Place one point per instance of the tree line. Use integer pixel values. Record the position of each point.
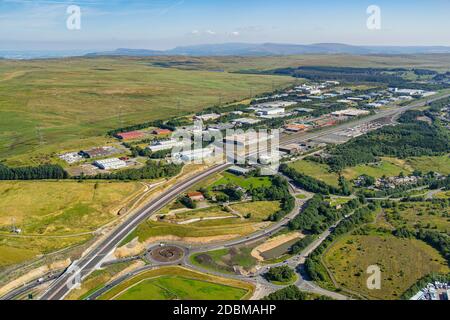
(152, 170)
(42, 172)
(308, 183)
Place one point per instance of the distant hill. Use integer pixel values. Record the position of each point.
(270, 49)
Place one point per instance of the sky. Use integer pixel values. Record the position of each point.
(164, 24)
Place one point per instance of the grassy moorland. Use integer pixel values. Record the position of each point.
(235, 64)
(55, 215)
(50, 106)
(349, 258)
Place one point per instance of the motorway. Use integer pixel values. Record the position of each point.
(87, 264)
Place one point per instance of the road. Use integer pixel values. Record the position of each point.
(82, 268)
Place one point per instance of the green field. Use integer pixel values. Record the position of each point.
(388, 167)
(49, 106)
(402, 263)
(175, 283)
(225, 260)
(258, 210)
(317, 170)
(246, 183)
(435, 164)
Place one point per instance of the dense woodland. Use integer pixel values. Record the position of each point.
(280, 274)
(318, 216)
(412, 138)
(309, 183)
(293, 293)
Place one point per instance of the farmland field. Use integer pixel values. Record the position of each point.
(174, 283)
(349, 258)
(426, 164)
(243, 182)
(258, 210)
(316, 170)
(388, 167)
(54, 105)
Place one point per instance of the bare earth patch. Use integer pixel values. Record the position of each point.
(275, 242)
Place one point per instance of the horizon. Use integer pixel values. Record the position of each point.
(166, 24)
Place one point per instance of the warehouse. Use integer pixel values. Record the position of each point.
(161, 132)
(130, 135)
(110, 164)
(350, 113)
(163, 145)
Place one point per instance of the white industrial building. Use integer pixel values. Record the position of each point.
(71, 157)
(248, 139)
(246, 121)
(275, 104)
(350, 113)
(207, 117)
(194, 155)
(271, 112)
(110, 164)
(163, 145)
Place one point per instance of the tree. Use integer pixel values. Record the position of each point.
(188, 202)
(280, 274)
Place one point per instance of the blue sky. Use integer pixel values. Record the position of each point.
(162, 24)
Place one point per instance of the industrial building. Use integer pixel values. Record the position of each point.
(350, 113)
(163, 145)
(110, 164)
(207, 117)
(99, 152)
(271, 112)
(194, 155)
(130, 135)
(238, 171)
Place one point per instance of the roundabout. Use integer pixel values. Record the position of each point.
(168, 254)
